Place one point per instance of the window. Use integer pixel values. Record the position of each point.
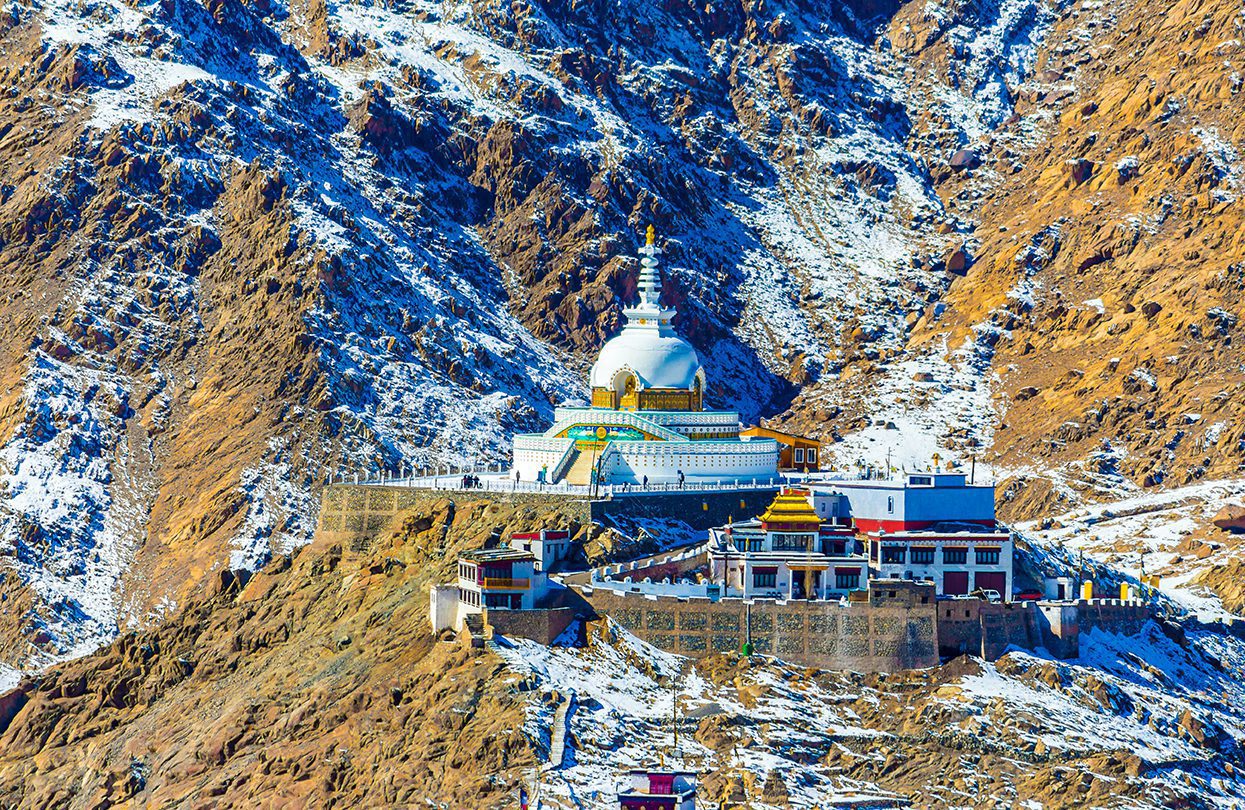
(764, 577)
(923, 556)
(921, 481)
(987, 556)
(756, 544)
(812, 455)
(497, 600)
(890, 504)
(845, 580)
(793, 542)
(893, 555)
(799, 455)
(954, 556)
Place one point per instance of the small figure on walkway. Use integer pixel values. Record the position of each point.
(646, 482)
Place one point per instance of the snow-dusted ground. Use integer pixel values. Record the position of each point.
(1140, 531)
(932, 403)
(1124, 694)
(625, 692)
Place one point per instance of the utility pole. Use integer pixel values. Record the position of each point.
(674, 714)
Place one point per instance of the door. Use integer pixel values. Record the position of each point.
(992, 581)
(955, 583)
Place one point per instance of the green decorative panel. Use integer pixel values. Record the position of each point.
(824, 645)
(888, 626)
(380, 500)
(629, 618)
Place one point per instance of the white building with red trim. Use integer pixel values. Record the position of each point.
(788, 552)
(925, 526)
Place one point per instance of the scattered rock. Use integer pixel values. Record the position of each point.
(958, 261)
(1230, 518)
(964, 160)
(1080, 170)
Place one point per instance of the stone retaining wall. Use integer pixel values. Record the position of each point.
(700, 510)
(538, 625)
(1007, 625)
(1111, 615)
(893, 631)
(355, 514)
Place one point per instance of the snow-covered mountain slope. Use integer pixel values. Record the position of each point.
(1145, 722)
(248, 245)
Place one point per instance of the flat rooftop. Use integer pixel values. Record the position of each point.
(497, 555)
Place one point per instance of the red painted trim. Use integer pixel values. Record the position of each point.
(874, 525)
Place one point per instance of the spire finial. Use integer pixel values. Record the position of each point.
(650, 236)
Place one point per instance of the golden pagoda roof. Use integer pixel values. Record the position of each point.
(790, 506)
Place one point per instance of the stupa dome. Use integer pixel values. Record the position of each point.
(657, 360)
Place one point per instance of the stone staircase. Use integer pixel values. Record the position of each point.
(473, 623)
(557, 733)
(580, 471)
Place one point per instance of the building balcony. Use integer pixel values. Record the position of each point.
(505, 584)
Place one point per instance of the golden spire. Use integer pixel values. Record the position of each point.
(650, 236)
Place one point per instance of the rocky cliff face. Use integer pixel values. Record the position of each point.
(1108, 283)
(246, 245)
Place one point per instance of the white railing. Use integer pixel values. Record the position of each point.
(564, 462)
(539, 442)
(625, 418)
(490, 481)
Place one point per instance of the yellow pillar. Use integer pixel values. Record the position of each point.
(1124, 590)
(1087, 589)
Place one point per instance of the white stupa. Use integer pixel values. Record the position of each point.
(647, 419)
